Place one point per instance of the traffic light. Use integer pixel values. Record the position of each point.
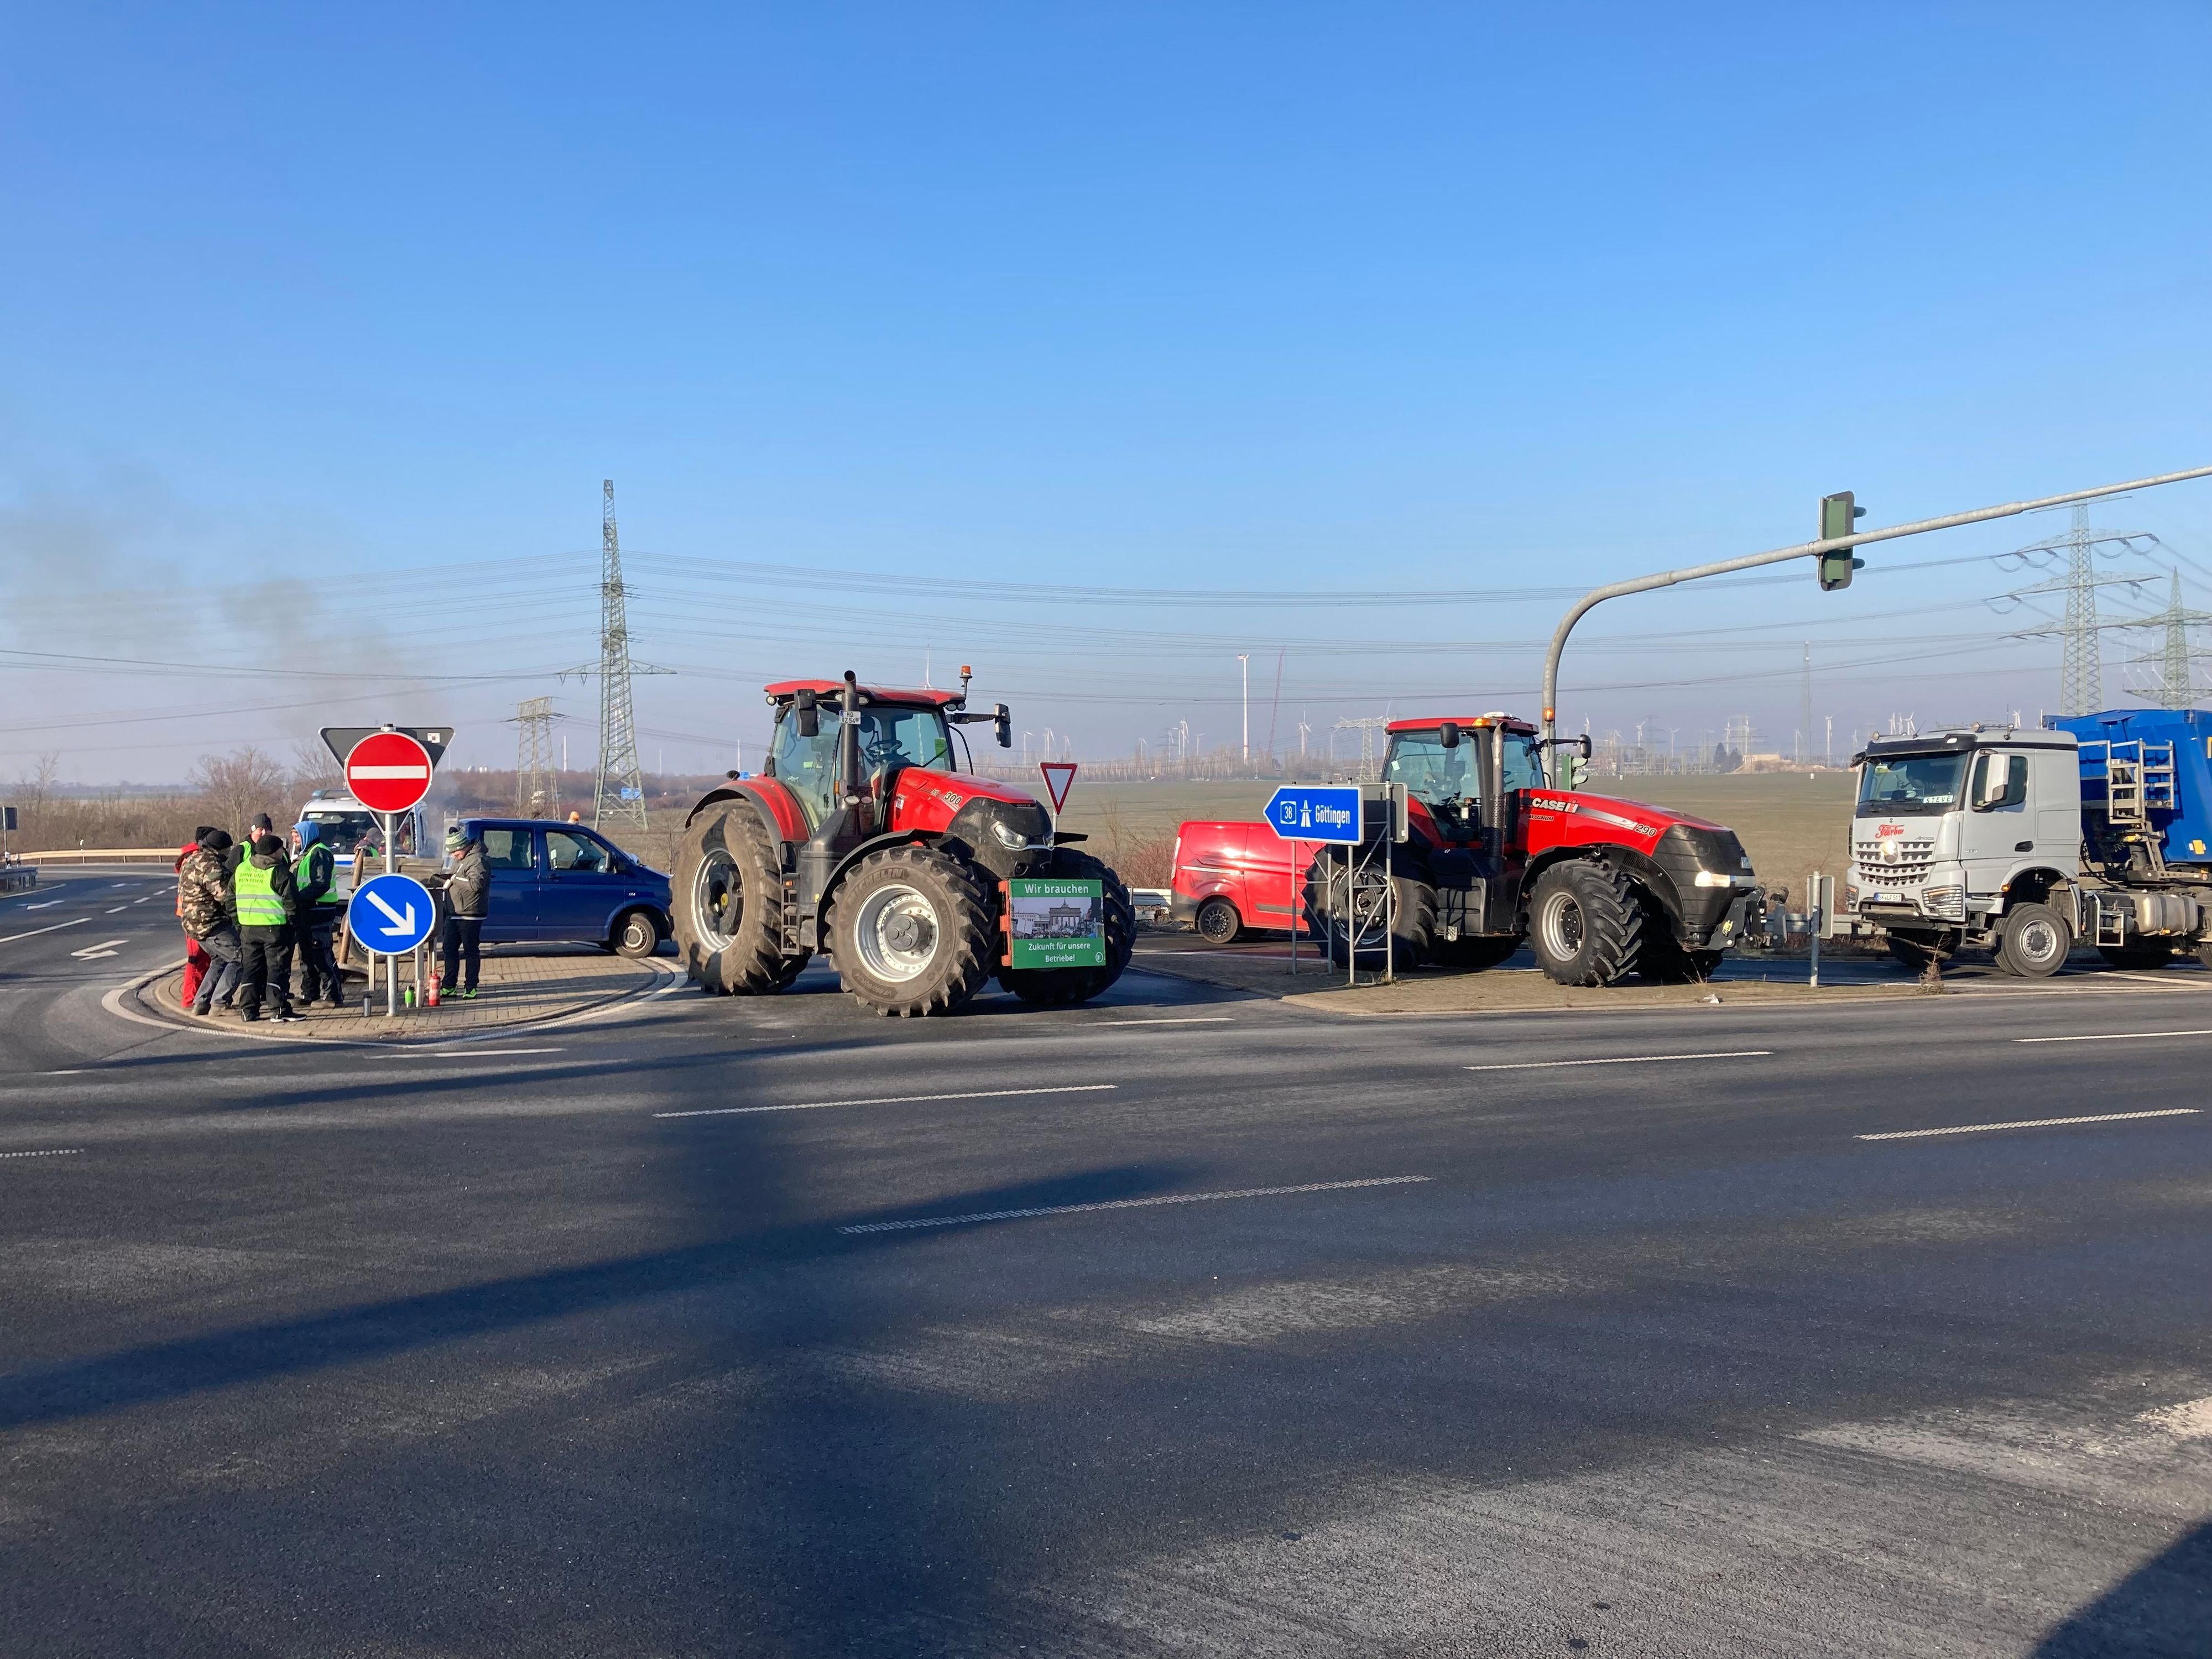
(1838, 516)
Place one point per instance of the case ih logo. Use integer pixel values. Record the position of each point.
(1550, 806)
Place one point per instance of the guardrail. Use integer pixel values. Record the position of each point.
(14, 876)
(102, 856)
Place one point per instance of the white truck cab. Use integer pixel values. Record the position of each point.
(1970, 837)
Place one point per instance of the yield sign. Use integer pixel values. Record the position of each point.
(388, 771)
(1059, 779)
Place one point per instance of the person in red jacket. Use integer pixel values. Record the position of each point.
(197, 960)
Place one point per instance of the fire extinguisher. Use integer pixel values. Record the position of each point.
(431, 999)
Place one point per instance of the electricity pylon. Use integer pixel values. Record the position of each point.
(536, 793)
(619, 789)
(2080, 671)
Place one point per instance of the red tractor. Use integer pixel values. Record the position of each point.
(1599, 888)
(860, 838)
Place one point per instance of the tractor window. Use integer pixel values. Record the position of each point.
(807, 766)
(1431, 772)
(893, 737)
(1522, 769)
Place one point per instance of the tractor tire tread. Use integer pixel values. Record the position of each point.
(969, 932)
(753, 963)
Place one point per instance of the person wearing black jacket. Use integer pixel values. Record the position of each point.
(468, 898)
(314, 873)
(267, 903)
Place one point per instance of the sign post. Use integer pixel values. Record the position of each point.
(389, 773)
(1332, 815)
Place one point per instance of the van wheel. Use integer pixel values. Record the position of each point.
(1218, 922)
(636, 934)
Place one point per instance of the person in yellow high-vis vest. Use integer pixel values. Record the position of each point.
(267, 900)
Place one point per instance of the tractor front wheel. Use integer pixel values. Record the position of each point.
(1585, 923)
(1339, 910)
(1063, 988)
(728, 904)
(910, 933)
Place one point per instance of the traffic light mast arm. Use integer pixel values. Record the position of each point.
(1597, 596)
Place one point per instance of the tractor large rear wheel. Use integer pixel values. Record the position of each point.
(1063, 988)
(728, 904)
(910, 932)
(1335, 913)
(1586, 923)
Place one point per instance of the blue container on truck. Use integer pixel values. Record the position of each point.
(2171, 750)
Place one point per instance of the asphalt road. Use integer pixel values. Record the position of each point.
(1184, 1323)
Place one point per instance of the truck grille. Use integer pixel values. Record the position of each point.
(1915, 860)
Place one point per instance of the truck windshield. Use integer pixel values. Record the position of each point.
(1431, 773)
(1893, 784)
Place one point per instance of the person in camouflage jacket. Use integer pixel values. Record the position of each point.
(205, 904)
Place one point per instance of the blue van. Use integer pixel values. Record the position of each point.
(563, 881)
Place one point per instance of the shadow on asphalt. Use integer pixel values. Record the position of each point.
(2163, 1608)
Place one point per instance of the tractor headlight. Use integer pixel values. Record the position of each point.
(1715, 878)
(1009, 838)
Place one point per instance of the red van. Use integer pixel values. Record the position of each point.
(1231, 877)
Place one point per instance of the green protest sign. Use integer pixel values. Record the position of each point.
(1055, 924)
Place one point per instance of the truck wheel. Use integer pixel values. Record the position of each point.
(728, 904)
(1326, 903)
(2139, 957)
(910, 933)
(1585, 923)
(1217, 922)
(636, 934)
(1473, 954)
(2033, 940)
(1063, 988)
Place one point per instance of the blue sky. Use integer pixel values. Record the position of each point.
(1278, 298)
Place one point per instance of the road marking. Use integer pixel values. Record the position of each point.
(42, 904)
(58, 1151)
(897, 1099)
(136, 901)
(466, 1053)
(105, 948)
(1201, 1020)
(2113, 1036)
(35, 932)
(118, 909)
(1129, 1204)
(1622, 1060)
(2033, 1123)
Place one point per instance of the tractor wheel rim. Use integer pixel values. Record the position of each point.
(1563, 925)
(897, 933)
(718, 900)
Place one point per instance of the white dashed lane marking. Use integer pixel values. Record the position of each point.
(58, 1151)
(1130, 1204)
(897, 1099)
(2031, 1124)
(469, 1054)
(52, 927)
(1622, 1060)
(2114, 1036)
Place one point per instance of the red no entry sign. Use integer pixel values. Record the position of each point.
(388, 771)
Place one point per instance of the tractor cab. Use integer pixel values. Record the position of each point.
(1458, 773)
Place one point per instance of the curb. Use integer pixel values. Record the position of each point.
(666, 977)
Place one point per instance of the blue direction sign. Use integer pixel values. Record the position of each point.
(1315, 812)
(392, 914)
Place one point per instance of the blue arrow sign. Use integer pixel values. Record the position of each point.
(392, 914)
(1315, 811)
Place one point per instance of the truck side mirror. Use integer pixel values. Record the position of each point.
(1448, 734)
(1004, 721)
(810, 718)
